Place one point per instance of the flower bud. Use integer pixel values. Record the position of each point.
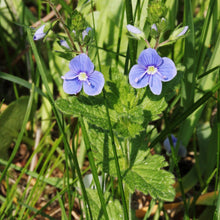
(135, 32)
(42, 31)
(86, 36)
(154, 31)
(179, 33)
(64, 43)
(78, 22)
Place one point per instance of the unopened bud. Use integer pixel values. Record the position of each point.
(179, 33)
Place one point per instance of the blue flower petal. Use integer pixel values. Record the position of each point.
(155, 84)
(72, 86)
(149, 57)
(69, 75)
(39, 33)
(133, 29)
(81, 63)
(167, 70)
(137, 78)
(95, 84)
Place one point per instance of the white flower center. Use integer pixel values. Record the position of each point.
(82, 76)
(151, 70)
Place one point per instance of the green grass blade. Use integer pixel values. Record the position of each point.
(206, 35)
(64, 216)
(20, 81)
(131, 42)
(217, 184)
(188, 85)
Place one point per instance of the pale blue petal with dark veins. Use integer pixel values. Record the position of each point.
(81, 63)
(95, 85)
(167, 69)
(72, 86)
(137, 78)
(69, 75)
(155, 84)
(149, 57)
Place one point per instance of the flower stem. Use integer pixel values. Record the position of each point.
(58, 15)
(161, 44)
(148, 44)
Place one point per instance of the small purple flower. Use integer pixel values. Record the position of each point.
(182, 150)
(40, 33)
(82, 74)
(152, 69)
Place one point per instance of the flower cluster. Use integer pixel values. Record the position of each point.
(151, 69)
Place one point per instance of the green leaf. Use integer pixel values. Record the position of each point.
(11, 121)
(114, 208)
(102, 150)
(91, 108)
(148, 177)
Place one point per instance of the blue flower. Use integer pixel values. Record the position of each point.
(40, 33)
(152, 70)
(182, 150)
(82, 74)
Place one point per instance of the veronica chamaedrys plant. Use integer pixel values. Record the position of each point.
(82, 74)
(152, 70)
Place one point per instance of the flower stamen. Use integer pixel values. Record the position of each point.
(82, 76)
(151, 70)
